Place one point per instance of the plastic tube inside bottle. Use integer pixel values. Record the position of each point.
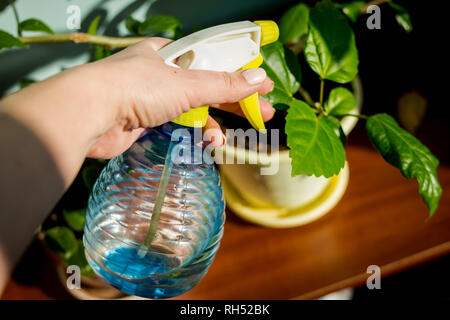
(160, 195)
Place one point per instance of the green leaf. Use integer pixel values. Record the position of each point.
(402, 17)
(132, 25)
(4, 4)
(294, 23)
(340, 101)
(285, 83)
(280, 106)
(176, 34)
(337, 127)
(352, 9)
(404, 151)
(93, 26)
(315, 148)
(26, 82)
(62, 241)
(404, 20)
(75, 218)
(90, 174)
(293, 64)
(9, 41)
(99, 52)
(278, 98)
(35, 25)
(159, 24)
(330, 44)
(79, 259)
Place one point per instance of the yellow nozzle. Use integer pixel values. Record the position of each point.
(195, 118)
(269, 31)
(250, 105)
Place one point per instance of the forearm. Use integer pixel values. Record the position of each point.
(63, 114)
(45, 133)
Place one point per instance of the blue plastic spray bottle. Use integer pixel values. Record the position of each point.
(155, 215)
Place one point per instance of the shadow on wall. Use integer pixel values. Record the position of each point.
(17, 64)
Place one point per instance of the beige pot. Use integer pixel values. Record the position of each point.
(278, 190)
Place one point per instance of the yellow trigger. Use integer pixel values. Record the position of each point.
(250, 105)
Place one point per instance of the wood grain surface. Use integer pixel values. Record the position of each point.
(381, 220)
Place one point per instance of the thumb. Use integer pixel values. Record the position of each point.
(211, 87)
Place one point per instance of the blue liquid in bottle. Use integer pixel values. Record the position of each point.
(190, 224)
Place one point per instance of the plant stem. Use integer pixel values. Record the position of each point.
(305, 95)
(79, 37)
(322, 82)
(16, 15)
(360, 116)
(160, 195)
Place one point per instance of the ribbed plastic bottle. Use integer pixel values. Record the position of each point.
(156, 213)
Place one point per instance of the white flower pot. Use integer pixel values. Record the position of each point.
(278, 190)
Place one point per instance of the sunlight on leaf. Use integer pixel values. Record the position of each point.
(294, 23)
(402, 17)
(340, 101)
(35, 25)
(285, 83)
(75, 218)
(9, 41)
(158, 24)
(93, 26)
(352, 9)
(62, 241)
(330, 45)
(315, 148)
(406, 152)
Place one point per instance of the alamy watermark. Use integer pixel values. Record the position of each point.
(374, 280)
(242, 147)
(74, 277)
(374, 20)
(73, 21)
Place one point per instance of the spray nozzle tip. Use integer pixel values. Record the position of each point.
(269, 31)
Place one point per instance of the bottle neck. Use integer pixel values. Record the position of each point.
(183, 143)
(178, 131)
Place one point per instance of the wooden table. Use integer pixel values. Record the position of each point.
(381, 220)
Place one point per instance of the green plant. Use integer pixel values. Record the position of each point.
(324, 37)
(314, 135)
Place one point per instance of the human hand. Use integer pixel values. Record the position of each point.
(141, 91)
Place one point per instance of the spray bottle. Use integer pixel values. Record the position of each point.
(156, 213)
